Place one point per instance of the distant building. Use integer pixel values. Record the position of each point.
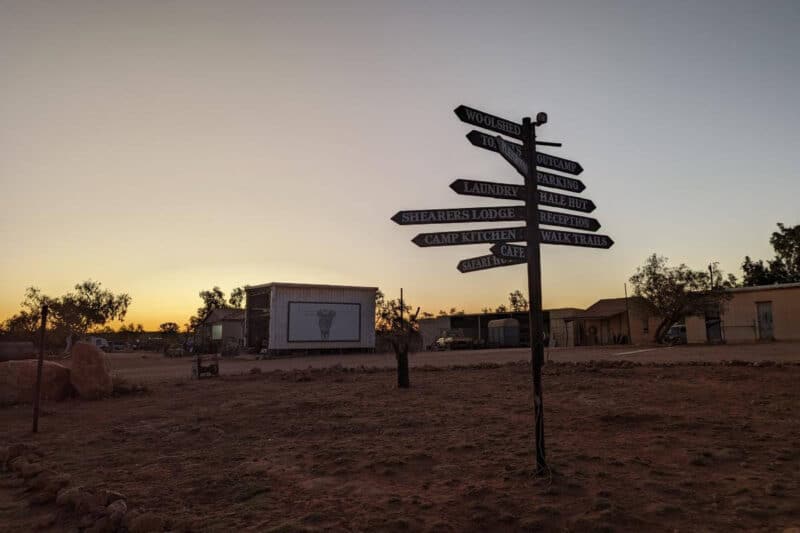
(614, 321)
(761, 313)
(222, 328)
(286, 317)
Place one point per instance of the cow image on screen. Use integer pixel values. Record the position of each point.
(325, 317)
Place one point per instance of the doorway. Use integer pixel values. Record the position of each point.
(764, 312)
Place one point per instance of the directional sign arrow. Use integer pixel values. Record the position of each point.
(488, 189)
(571, 238)
(484, 262)
(482, 140)
(565, 201)
(506, 149)
(477, 236)
(504, 250)
(467, 214)
(493, 214)
(490, 122)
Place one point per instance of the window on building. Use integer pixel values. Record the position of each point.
(645, 325)
(216, 332)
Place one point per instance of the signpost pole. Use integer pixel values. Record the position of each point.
(40, 363)
(534, 286)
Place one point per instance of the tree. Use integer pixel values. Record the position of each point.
(426, 314)
(237, 297)
(169, 328)
(486, 310)
(212, 299)
(517, 301)
(396, 324)
(784, 268)
(501, 309)
(88, 307)
(673, 293)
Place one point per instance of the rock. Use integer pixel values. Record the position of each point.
(29, 470)
(10, 351)
(17, 464)
(146, 523)
(110, 496)
(117, 507)
(89, 372)
(68, 496)
(18, 381)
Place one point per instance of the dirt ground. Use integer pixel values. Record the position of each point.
(643, 448)
(150, 367)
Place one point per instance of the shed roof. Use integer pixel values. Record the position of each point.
(307, 286)
(607, 308)
(223, 314)
(776, 286)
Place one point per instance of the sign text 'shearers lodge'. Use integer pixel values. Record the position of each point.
(493, 214)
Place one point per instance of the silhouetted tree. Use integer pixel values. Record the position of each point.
(237, 297)
(673, 293)
(87, 307)
(169, 328)
(784, 268)
(397, 325)
(517, 301)
(212, 299)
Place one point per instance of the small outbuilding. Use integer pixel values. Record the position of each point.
(287, 317)
(504, 332)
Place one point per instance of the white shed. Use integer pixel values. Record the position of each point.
(282, 317)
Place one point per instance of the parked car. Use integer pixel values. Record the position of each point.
(676, 335)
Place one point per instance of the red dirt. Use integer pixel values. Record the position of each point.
(631, 449)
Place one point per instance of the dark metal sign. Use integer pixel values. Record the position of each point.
(467, 214)
(482, 140)
(484, 262)
(489, 189)
(565, 201)
(493, 214)
(476, 236)
(490, 122)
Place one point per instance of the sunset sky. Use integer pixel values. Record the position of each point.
(164, 147)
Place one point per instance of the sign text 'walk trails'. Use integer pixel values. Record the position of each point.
(567, 238)
(484, 262)
(482, 140)
(493, 214)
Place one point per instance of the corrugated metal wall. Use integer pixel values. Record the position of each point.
(279, 315)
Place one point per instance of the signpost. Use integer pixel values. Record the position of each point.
(525, 159)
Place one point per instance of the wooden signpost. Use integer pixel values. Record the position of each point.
(525, 159)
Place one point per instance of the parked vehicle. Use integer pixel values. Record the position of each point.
(676, 335)
(455, 340)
